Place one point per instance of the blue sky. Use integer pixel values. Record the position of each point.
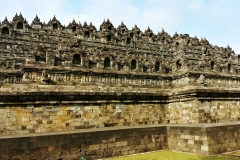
(217, 20)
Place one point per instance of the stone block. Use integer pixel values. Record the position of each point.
(122, 143)
(204, 148)
(190, 141)
(94, 147)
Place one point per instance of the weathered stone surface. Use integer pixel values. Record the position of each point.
(100, 143)
(204, 138)
(63, 117)
(55, 79)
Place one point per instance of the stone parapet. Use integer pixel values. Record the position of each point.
(203, 139)
(90, 143)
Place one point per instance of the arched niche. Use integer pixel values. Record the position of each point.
(145, 68)
(107, 62)
(178, 65)
(120, 66)
(76, 59)
(109, 38)
(133, 64)
(86, 34)
(131, 35)
(92, 64)
(229, 55)
(40, 56)
(5, 30)
(157, 66)
(74, 29)
(128, 40)
(57, 61)
(229, 67)
(212, 65)
(167, 71)
(19, 25)
(55, 26)
(40, 59)
(37, 58)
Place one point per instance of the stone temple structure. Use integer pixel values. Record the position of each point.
(75, 90)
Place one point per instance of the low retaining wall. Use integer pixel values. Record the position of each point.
(91, 143)
(97, 143)
(204, 139)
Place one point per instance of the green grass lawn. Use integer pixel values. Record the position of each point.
(168, 155)
(238, 152)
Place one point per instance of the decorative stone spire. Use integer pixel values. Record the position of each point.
(106, 25)
(5, 21)
(44, 23)
(50, 21)
(72, 24)
(85, 24)
(122, 27)
(163, 30)
(54, 18)
(73, 21)
(92, 27)
(136, 27)
(175, 35)
(36, 19)
(149, 29)
(79, 25)
(15, 17)
(54, 21)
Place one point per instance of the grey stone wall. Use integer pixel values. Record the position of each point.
(40, 118)
(223, 139)
(188, 139)
(204, 111)
(204, 139)
(90, 143)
